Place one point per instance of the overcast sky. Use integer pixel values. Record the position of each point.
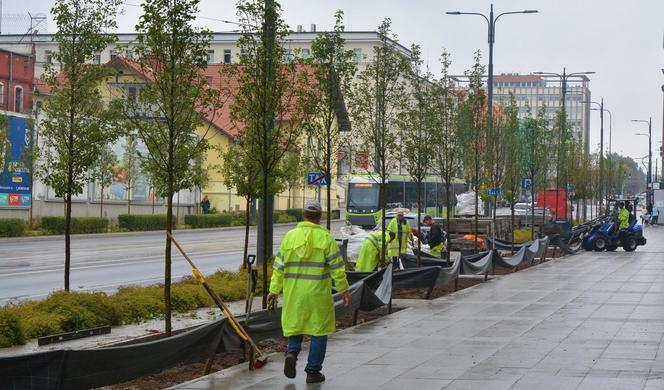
(620, 40)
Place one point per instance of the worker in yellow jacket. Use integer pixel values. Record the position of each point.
(623, 216)
(308, 262)
(369, 257)
(400, 226)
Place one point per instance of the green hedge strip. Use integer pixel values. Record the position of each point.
(12, 227)
(143, 222)
(79, 225)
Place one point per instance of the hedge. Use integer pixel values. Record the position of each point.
(70, 311)
(79, 225)
(143, 222)
(12, 227)
(209, 220)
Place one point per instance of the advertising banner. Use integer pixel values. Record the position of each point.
(15, 175)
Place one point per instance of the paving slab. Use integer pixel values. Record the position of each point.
(587, 321)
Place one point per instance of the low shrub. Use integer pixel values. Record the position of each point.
(12, 227)
(143, 222)
(79, 225)
(81, 310)
(209, 220)
(137, 304)
(522, 235)
(38, 323)
(11, 332)
(70, 311)
(285, 218)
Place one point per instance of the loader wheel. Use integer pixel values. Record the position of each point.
(587, 245)
(630, 244)
(599, 244)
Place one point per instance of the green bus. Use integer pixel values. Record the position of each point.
(363, 197)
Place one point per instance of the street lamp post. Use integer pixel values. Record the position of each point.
(601, 110)
(491, 23)
(610, 184)
(649, 174)
(563, 120)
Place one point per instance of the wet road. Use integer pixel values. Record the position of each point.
(33, 267)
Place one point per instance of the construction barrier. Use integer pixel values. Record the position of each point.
(84, 369)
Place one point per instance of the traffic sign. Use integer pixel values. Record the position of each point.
(494, 191)
(525, 183)
(316, 179)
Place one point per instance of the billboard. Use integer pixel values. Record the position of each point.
(15, 174)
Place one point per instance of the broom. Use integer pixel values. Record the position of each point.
(259, 361)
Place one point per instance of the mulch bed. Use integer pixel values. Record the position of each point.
(186, 372)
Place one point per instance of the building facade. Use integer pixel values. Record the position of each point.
(535, 91)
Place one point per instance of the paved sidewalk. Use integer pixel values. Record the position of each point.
(589, 321)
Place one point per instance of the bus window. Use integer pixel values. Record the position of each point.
(362, 196)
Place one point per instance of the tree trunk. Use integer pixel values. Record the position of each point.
(167, 258)
(129, 196)
(329, 204)
(448, 205)
(247, 223)
(532, 207)
(266, 231)
(101, 202)
(67, 237)
(512, 218)
(419, 223)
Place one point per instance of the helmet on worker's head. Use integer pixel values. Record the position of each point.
(621, 204)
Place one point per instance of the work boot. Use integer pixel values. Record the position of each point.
(289, 365)
(315, 377)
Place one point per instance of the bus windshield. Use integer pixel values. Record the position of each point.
(362, 196)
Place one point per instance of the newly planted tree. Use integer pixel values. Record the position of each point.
(76, 127)
(472, 134)
(417, 123)
(171, 52)
(446, 136)
(378, 94)
(333, 68)
(269, 105)
(513, 149)
(131, 165)
(101, 173)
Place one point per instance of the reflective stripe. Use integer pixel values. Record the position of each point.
(277, 265)
(307, 276)
(337, 265)
(332, 257)
(304, 264)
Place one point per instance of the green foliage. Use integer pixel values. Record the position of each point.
(81, 310)
(69, 311)
(376, 96)
(11, 332)
(333, 69)
(209, 220)
(142, 222)
(295, 213)
(75, 127)
(12, 227)
(79, 225)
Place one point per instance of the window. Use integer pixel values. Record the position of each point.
(227, 56)
(2, 94)
(114, 53)
(18, 99)
(48, 57)
(131, 94)
(305, 53)
(358, 56)
(210, 56)
(97, 59)
(288, 55)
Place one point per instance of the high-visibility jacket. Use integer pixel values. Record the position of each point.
(369, 257)
(307, 263)
(406, 232)
(623, 217)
